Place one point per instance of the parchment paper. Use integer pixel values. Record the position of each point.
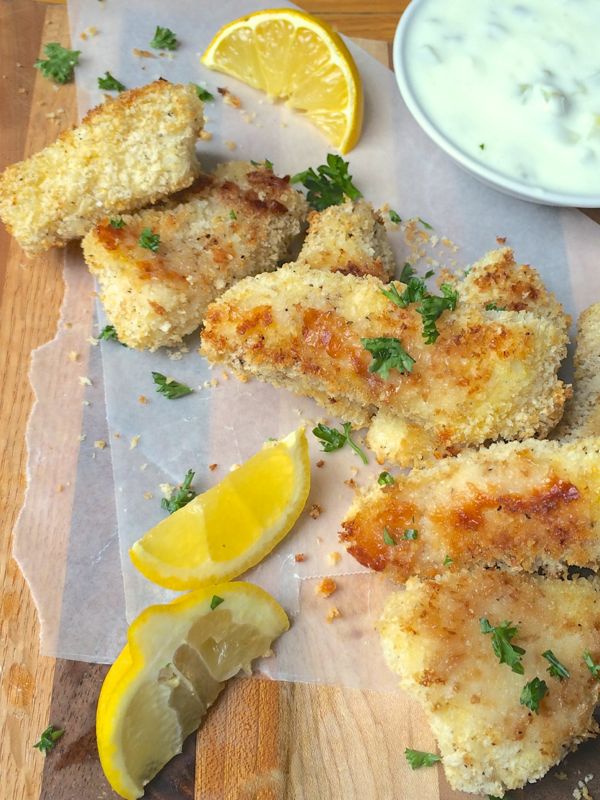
(224, 423)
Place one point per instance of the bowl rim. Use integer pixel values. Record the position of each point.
(487, 174)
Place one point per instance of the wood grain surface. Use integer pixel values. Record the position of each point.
(262, 740)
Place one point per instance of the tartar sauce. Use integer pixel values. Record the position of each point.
(515, 84)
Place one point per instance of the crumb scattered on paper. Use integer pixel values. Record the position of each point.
(326, 587)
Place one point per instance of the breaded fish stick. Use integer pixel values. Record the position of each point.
(349, 238)
(490, 374)
(237, 222)
(489, 739)
(127, 153)
(523, 505)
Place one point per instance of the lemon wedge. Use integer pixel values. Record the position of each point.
(295, 57)
(231, 527)
(176, 661)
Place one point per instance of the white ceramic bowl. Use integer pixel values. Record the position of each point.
(511, 186)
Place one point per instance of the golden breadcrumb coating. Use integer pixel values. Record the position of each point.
(125, 154)
(490, 374)
(582, 411)
(489, 742)
(348, 238)
(524, 505)
(236, 222)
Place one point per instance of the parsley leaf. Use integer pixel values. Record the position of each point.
(411, 534)
(418, 758)
(181, 497)
(203, 94)
(110, 83)
(394, 216)
(532, 694)
(171, 388)
(149, 240)
(109, 332)
(330, 185)
(589, 662)
(48, 739)
(431, 309)
(266, 164)
(332, 439)
(494, 307)
(385, 479)
(60, 64)
(415, 290)
(216, 601)
(482, 146)
(388, 354)
(164, 39)
(447, 561)
(232, 214)
(388, 538)
(507, 652)
(116, 222)
(556, 669)
(425, 224)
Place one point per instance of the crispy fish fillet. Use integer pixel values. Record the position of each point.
(522, 504)
(582, 412)
(489, 742)
(348, 238)
(237, 222)
(491, 374)
(125, 154)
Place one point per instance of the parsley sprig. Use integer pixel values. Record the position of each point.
(171, 388)
(385, 479)
(388, 354)
(59, 64)
(149, 240)
(181, 497)
(330, 185)
(532, 694)
(109, 332)
(419, 758)
(508, 653)
(432, 308)
(49, 738)
(556, 669)
(164, 39)
(332, 439)
(110, 83)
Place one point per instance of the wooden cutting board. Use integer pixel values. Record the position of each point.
(262, 740)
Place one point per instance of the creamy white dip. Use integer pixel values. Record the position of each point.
(513, 83)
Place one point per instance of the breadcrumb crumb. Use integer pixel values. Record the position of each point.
(320, 463)
(299, 557)
(134, 441)
(326, 588)
(315, 511)
(148, 495)
(229, 98)
(333, 613)
(212, 467)
(85, 381)
(206, 136)
(74, 356)
(143, 400)
(229, 144)
(99, 444)
(167, 489)
(334, 557)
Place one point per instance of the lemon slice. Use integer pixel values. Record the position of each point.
(231, 527)
(297, 58)
(176, 661)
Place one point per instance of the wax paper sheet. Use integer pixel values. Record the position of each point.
(115, 490)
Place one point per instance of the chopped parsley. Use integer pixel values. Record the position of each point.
(388, 354)
(494, 307)
(425, 224)
(556, 669)
(388, 538)
(330, 185)
(216, 601)
(482, 147)
(418, 758)
(149, 240)
(394, 216)
(532, 694)
(171, 388)
(60, 64)
(203, 94)
(432, 308)
(181, 497)
(110, 83)
(416, 289)
(385, 479)
(164, 39)
(109, 332)
(589, 662)
(266, 164)
(508, 653)
(411, 534)
(49, 738)
(447, 561)
(332, 439)
(232, 215)
(116, 222)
